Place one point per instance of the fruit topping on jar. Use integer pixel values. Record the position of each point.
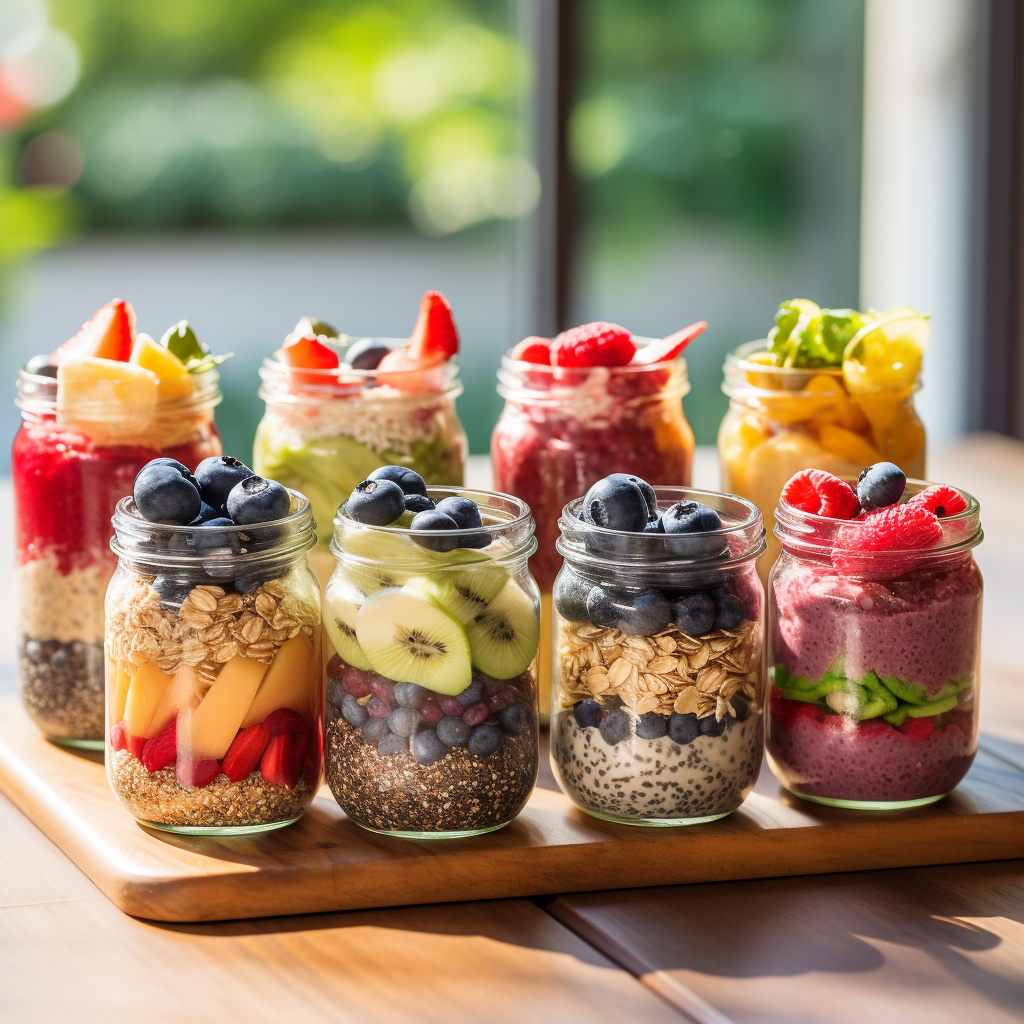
(940, 499)
(434, 340)
(814, 490)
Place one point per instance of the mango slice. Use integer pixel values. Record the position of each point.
(210, 729)
(145, 694)
(289, 683)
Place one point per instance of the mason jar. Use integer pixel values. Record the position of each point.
(431, 723)
(657, 709)
(69, 467)
(325, 430)
(874, 661)
(562, 430)
(784, 419)
(214, 667)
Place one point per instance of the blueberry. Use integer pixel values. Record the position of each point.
(446, 540)
(615, 727)
(427, 747)
(256, 500)
(41, 367)
(644, 615)
(740, 706)
(683, 729)
(407, 479)
(514, 719)
(648, 491)
(366, 354)
(411, 695)
(464, 511)
(353, 712)
(216, 477)
(604, 606)
(391, 743)
(651, 726)
(690, 517)
(336, 693)
(165, 494)
(207, 513)
(418, 503)
(616, 503)
(570, 595)
(376, 502)
(171, 591)
(248, 582)
(213, 538)
(453, 732)
(694, 614)
(404, 721)
(374, 729)
(880, 485)
(484, 740)
(729, 609)
(710, 726)
(655, 525)
(471, 694)
(586, 712)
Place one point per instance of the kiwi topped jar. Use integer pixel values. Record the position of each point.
(431, 712)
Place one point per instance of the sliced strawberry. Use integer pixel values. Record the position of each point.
(300, 742)
(276, 763)
(917, 729)
(284, 720)
(435, 338)
(940, 499)
(161, 750)
(532, 350)
(136, 744)
(814, 490)
(118, 737)
(400, 371)
(596, 344)
(670, 347)
(196, 774)
(303, 352)
(108, 334)
(245, 752)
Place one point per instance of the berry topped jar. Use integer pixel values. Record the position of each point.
(592, 401)
(657, 714)
(93, 414)
(875, 630)
(339, 407)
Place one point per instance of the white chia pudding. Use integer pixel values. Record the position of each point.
(657, 779)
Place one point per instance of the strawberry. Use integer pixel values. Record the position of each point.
(532, 350)
(284, 720)
(940, 499)
(863, 546)
(668, 348)
(276, 763)
(305, 352)
(297, 757)
(917, 729)
(245, 752)
(814, 490)
(435, 337)
(136, 745)
(161, 750)
(108, 334)
(196, 774)
(400, 371)
(118, 739)
(596, 344)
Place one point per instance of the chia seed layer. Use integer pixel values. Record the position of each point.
(460, 792)
(648, 779)
(62, 687)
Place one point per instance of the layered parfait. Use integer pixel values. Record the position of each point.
(338, 407)
(829, 389)
(593, 400)
(875, 622)
(431, 725)
(94, 412)
(657, 712)
(214, 652)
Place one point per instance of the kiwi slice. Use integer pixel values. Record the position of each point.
(504, 637)
(341, 606)
(465, 593)
(410, 638)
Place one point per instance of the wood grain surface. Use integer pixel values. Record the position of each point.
(324, 862)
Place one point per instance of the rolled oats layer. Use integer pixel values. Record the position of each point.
(58, 606)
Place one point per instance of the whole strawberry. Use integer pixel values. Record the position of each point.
(596, 344)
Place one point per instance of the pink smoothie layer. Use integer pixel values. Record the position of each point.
(923, 629)
(817, 754)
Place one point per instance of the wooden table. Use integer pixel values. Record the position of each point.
(922, 945)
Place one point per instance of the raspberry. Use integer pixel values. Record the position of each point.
(596, 344)
(814, 490)
(532, 350)
(940, 499)
(898, 528)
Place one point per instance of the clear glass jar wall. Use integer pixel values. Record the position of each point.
(783, 419)
(69, 468)
(326, 430)
(874, 660)
(658, 700)
(214, 664)
(431, 724)
(562, 430)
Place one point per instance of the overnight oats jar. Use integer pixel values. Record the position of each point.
(431, 726)
(88, 427)
(875, 629)
(657, 713)
(339, 407)
(214, 672)
(563, 428)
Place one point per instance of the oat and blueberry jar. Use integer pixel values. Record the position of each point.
(93, 414)
(431, 722)
(339, 407)
(657, 707)
(875, 638)
(214, 652)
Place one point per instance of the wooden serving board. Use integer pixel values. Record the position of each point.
(324, 862)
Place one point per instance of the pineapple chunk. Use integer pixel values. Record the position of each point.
(104, 390)
(173, 380)
(121, 681)
(214, 723)
(145, 694)
(288, 683)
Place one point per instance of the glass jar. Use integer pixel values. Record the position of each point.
(69, 468)
(214, 673)
(326, 430)
(784, 419)
(563, 429)
(874, 660)
(651, 723)
(440, 750)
